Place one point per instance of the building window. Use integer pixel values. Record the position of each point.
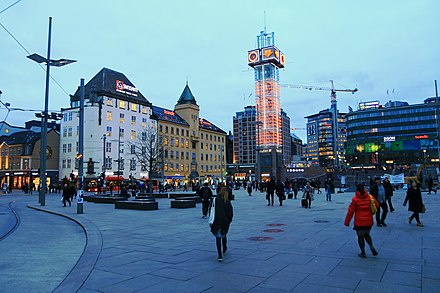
(160, 128)
(181, 167)
(201, 145)
(144, 122)
(177, 131)
(165, 141)
(121, 118)
(77, 130)
(201, 157)
(201, 135)
(69, 132)
(108, 147)
(144, 110)
(166, 129)
(210, 146)
(187, 143)
(133, 135)
(108, 163)
(69, 147)
(193, 144)
(144, 136)
(64, 164)
(132, 149)
(133, 165)
(70, 116)
(121, 132)
(65, 117)
(77, 147)
(122, 104)
(177, 142)
(206, 156)
(182, 142)
(172, 141)
(165, 167)
(177, 155)
(187, 133)
(133, 120)
(109, 131)
(109, 116)
(166, 154)
(172, 130)
(171, 154)
(134, 107)
(64, 148)
(64, 131)
(110, 102)
(187, 155)
(69, 164)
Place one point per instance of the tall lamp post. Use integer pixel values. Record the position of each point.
(44, 115)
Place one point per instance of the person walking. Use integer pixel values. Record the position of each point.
(328, 185)
(66, 195)
(222, 220)
(295, 188)
(279, 189)
(414, 196)
(389, 190)
(308, 194)
(206, 194)
(430, 183)
(378, 191)
(270, 191)
(249, 189)
(360, 207)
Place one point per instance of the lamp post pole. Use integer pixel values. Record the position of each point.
(104, 138)
(44, 116)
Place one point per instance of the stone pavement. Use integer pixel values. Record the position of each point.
(271, 249)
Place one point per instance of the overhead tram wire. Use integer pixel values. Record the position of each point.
(10, 6)
(41, 66)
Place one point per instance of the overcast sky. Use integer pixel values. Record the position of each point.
(376, 46)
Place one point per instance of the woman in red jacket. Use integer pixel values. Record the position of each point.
(363, 218)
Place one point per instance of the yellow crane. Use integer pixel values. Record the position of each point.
(334, 110)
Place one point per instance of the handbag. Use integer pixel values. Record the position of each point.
(212, 213)
(423, 209)
(372, 205)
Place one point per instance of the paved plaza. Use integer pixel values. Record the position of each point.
(271, 249)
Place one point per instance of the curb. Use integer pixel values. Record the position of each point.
(86, 262)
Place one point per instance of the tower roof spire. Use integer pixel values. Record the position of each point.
(186, 97)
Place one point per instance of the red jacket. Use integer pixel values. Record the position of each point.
(360, 207)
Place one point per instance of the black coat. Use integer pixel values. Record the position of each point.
(279, 188)
(223, 216)
(271, 187)
(414, 196)
(389, 189)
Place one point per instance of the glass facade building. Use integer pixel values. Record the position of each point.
(394, 134)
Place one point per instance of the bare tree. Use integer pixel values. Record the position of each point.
(148, 152)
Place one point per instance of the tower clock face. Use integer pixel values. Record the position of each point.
(253, 56)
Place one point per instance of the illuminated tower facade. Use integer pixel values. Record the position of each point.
(266, 60)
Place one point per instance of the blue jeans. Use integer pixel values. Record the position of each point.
(328, 194)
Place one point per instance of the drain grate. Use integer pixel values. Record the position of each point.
(260, 238)
(273, 230)
(275, 225)
(322, 221)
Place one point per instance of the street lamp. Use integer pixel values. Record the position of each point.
(44, 115)
(377, 160)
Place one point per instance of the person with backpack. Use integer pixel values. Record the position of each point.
(361, 208)
(206, 194)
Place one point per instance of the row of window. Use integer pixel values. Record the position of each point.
(406, 120)
(182, 132)
(122, 119)
(111, 102)
(392, 129)
(183, 168)
(407, 112)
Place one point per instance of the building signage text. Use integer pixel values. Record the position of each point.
(123, 88)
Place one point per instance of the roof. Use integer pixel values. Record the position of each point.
(205, 124)
(22, 137)
(186, 97)
(113, 84)
(163, 114)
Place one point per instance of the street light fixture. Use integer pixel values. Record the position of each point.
(45, 115)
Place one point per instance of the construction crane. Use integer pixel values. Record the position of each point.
(334, 110)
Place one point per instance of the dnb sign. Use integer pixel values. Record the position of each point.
(123, 88)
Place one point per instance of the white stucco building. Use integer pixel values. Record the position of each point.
(113, 105)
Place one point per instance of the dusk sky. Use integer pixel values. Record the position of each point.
(375, 46)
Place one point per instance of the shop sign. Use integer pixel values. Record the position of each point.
(123, 88)
(425, 136)
(389, 138)
(369, 105)
(294, 170)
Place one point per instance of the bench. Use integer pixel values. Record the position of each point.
(104, 199)
(183, 203)
(183, 194)
(144, 205)
(195, 198)
(144, 197)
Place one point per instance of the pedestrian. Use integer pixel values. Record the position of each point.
(72, 191)
(206, 194)
(295, 188)
(270, 191)
(328, 185)
(414, 196)
(308, 194)
(66, 195)
(222, 220)
(430, 183)
(378, 191)
(318, 185)
(249, 189)
(111, 189)
(360, 207)
(389, 191)
(279, 188)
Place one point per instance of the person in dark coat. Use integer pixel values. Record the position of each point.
(66, 195)
(249, 189)
(378, 191)
(279, 187)
(389, 190)
(222, 220)
(308, 194)
(329, 186)
(360, 207)
(270, 191)
(206, 194)
(430, 183)
(414, 196)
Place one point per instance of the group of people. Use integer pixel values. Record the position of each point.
(363, 206)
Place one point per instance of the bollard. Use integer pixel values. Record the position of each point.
(79, 202)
